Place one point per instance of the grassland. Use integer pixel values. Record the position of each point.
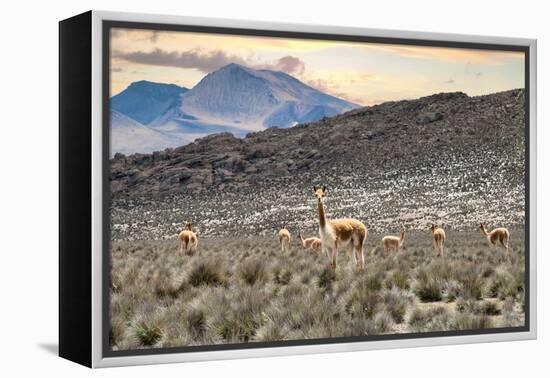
(247, 290)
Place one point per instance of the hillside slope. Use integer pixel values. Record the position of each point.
(447, 157)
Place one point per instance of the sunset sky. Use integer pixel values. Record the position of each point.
(364, 73)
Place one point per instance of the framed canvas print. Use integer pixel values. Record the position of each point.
(234, 189)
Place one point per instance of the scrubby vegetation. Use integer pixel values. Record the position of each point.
(246, 290)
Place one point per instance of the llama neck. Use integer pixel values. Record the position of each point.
(484, 231)
(322, 219)
(402, 237)
(301, 239)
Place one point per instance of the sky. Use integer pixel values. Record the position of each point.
(363, 73)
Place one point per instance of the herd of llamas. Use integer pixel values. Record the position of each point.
(349, 233)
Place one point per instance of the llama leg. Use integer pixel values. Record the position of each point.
(361, 256)
(334, 256)
(353, 251)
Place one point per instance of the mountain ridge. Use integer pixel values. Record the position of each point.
(234, 98)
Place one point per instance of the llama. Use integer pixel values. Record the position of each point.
(340, 232)
(391, 241)
(188, 240)
(284, 238)
(310, 243)
(498, 235)
(439, 239)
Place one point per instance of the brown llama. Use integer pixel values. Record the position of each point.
(188, 240)
(395, 242)
(284, 238)
(313, 244)
(499, 235)
(337, 233)
(439, 239)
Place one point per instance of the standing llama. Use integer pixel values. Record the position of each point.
(310, 243)
(498, 235)
(188, 240)
(439, 239)
(284, 238)
(340, 232)
(391, 241)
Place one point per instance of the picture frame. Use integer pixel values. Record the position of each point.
(85, 189)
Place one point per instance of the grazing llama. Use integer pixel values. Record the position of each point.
(340, 232)
(284, 238)
(439, 239)
(391, 241)
(498, 235)
(310, 243)
(188, 240)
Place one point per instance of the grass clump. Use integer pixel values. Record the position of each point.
(427, 288)
(487, 308)
(398, 279)
(147, 335)
(326, 278)
(504, 284)
(254, 271)
(206, 273)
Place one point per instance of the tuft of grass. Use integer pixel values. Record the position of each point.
(487, 308)
(196, 322)
(435, 318)
(504, 284)
(472, 284)
(398, 279)
(147, 335)
(452, 290)
(206, 273)
(326, 278)
(396, 303)
(363, 302)
(463, 320)
(427, 288)
(254, 271)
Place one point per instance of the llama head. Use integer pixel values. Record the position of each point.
(282, 226)
(320, 192)
(481, 227)
(433, 227)
(189, 226)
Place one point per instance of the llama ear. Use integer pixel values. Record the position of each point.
(324, 188)
(314, 188)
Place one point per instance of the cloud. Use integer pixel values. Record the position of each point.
(289, 64)
(203, 61)
(450, 81)
(207, 61)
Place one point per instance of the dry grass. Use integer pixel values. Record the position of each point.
(247, 290)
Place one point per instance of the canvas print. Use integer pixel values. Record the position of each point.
(271, 190)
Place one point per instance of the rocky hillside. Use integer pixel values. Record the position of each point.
(447, 158)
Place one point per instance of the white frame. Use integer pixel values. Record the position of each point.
(97, 186)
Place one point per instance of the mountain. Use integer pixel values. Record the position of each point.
(233, 99)
(129, 136)
(143, 101)
(445, 158)
(251, 99)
